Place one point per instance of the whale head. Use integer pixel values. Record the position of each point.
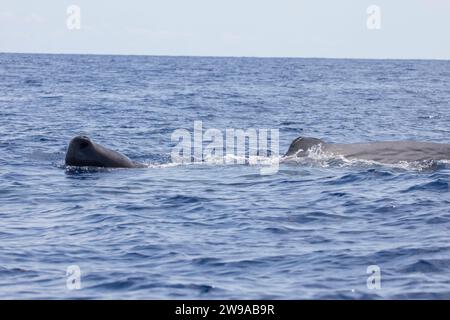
(83, 152)
(301, 145)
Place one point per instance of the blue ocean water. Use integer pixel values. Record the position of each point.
(220, 231)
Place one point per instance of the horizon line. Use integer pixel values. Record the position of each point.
(221, 56)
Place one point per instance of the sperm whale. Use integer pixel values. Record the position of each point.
(82, 151)
(389, 152)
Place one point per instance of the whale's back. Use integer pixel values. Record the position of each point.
(392, 151)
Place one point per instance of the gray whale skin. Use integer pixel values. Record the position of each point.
(83, 152)
(389, 152)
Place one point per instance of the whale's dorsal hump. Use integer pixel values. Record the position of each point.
(301, 145)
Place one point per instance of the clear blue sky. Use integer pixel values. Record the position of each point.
(286, 28)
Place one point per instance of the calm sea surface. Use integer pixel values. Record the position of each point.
(208, 231)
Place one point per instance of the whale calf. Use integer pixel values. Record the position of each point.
(83, 152)
(389, 152)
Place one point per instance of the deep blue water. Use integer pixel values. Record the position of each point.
(207, 231)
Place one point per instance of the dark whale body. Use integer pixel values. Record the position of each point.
(83, 152)
(388, 152)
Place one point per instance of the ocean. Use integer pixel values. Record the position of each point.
(316, 229)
